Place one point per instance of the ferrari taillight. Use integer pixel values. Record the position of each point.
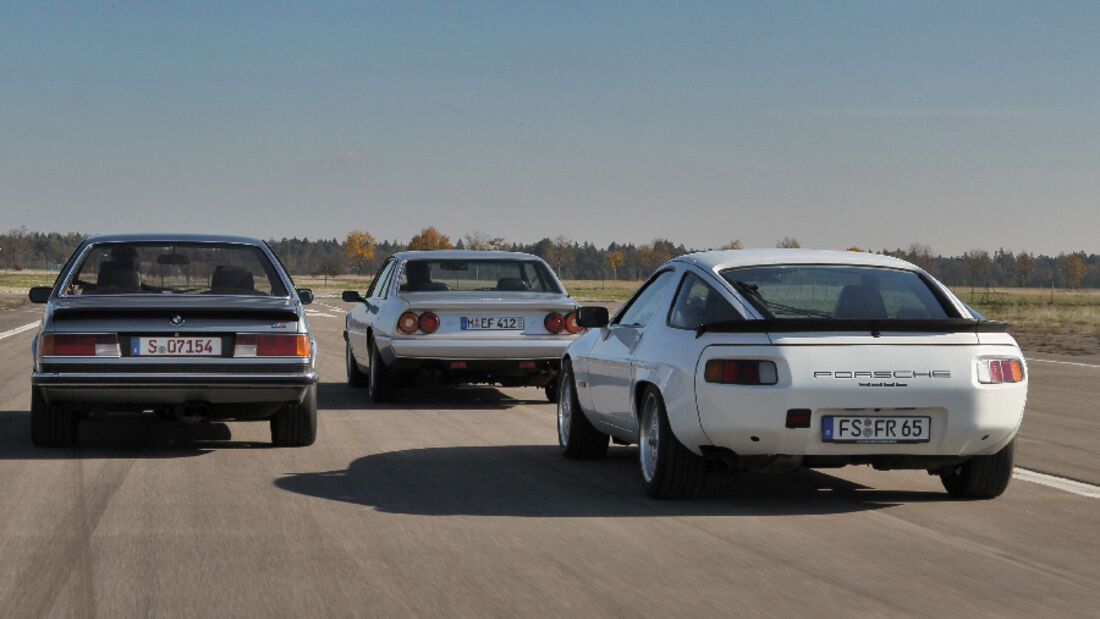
(554, 322)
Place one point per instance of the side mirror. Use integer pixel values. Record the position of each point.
(352, 296)
(40, 294)
(592, 317)
(305, 295)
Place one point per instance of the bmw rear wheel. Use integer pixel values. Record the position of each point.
(295, 425)
(669, 470)
(51, 425)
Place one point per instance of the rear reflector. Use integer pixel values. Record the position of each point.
(798, 418)
(741, 372)
(526, 365)
(997, 371)
(457, 365)
(80, 345)
(270, 345)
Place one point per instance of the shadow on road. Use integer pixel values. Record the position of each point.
(340, 396)
(143, 437)
(535, 481)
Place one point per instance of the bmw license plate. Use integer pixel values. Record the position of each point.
(176, 347)
(486, 323)
(875, 429)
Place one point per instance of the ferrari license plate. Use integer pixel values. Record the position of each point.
(486, 323)
(875, 429)
(176, 347)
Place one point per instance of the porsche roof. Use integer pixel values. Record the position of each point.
(732, 258)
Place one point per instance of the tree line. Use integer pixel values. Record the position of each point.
(360, 253)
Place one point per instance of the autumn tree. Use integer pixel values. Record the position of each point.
(614, 261)
(482, 241)
(1073, 269)
(855, 248)
(788, 242)
(734, 244)
(1025, 266)
(358, 248)
(430, 238)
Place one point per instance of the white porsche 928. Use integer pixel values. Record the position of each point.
(781, 359)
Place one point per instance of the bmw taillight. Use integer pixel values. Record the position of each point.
(80, 345)
(271, 345)
(997, 371)
(741, 372)
(554, 322)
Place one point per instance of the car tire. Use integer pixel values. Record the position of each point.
(981, 477)
(51, 426)
(380, 385)
(552, 389)
(356, 377)
(295, 425)
(577, 437)
(668, 469)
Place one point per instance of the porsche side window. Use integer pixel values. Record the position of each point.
(644, 304)
(699, 304)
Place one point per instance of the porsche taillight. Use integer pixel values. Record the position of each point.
(741, 372)
(998, 371)
(80, 345)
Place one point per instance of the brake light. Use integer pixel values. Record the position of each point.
(408, 322)
(270, 345)
(998, 371)
(554, 322)
(571, 323)
(80, 345)
(741, 372)
(428, 322)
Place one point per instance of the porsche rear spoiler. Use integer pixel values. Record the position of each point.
(874, 326)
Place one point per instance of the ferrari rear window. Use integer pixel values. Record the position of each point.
(825, 291)
(175, 268)
(482, 275)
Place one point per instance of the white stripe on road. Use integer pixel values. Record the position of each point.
(18, 330)
(1060, 483)
(1080, 365)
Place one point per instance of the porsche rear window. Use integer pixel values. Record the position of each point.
(480, 275)
(824, 291)
(175, 268)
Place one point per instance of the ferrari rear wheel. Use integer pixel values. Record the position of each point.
(356, 377)
(381, 387)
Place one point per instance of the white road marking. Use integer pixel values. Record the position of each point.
(312, 313)
(1060, 483)
(1080, 365)
(18, 330)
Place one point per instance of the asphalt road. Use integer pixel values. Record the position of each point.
(455, 502)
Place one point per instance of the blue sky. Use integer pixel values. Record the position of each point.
(877, 124)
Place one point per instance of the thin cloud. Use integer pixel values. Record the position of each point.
(927, 112)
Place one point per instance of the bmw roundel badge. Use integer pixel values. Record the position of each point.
(176, 320)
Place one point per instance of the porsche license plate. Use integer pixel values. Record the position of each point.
(176, 347)
(486, 323)
(875, 429)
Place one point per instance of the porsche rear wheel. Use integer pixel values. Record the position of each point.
(981, 477)
(669, 470)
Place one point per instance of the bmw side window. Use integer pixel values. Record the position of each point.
(698, 304)
(642, 307)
